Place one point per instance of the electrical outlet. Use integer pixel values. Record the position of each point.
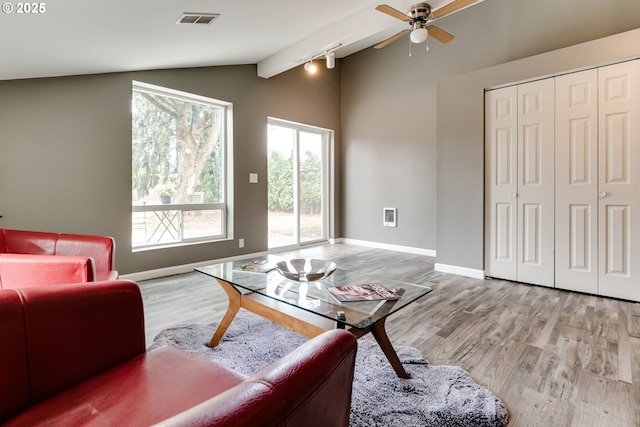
(241, 243)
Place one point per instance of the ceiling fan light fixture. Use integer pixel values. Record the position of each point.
(310, 67)
(419, 35)
(331, 59)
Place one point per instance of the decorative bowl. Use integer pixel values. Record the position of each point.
(306, 270)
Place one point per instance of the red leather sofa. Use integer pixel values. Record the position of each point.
(75, 355)
(34, 258)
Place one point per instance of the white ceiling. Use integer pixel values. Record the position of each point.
(89, 36)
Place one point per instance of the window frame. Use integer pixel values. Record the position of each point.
(226, 204)
(327, 142)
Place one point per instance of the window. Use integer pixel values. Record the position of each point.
(180, 179)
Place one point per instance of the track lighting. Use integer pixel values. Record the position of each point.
(310, 67)
(331, 59)
(327, 52)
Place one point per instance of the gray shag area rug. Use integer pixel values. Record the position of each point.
(434, 396)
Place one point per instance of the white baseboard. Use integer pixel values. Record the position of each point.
(398, 248)
(187, 268)
(181, 269)
(460, 271)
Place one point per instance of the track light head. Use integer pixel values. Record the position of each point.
(331, 59)
(310, 67)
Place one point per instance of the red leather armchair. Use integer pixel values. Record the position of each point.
(34, 258)
(75, 355)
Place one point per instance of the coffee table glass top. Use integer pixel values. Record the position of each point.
(313, 296)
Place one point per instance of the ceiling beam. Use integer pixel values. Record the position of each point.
(353, 33)
(347, 32)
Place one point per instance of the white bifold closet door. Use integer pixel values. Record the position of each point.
(573, 224)
(520, 182)
(501, 182)
(577, 181)
(598, 181)
(619, 180)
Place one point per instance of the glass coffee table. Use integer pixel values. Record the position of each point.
(307, 307)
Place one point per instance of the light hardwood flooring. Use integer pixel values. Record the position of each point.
(555, 358)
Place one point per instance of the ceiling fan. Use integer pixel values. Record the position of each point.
(418, 17)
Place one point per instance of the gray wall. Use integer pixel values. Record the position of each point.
(65, 151)
(394, 150)
(402, 140)
(461, 148)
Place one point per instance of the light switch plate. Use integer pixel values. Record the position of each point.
(253, 178)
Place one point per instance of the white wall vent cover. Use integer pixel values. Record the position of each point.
(197, 18)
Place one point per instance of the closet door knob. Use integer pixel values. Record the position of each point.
(514, 194)
(602, 193)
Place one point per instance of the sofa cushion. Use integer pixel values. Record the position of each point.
(158, 384)
(29, 242)
(21, 271)
(71, 334)
(100, 248)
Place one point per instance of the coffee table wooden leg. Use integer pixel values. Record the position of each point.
(380, 334)
(234, 306)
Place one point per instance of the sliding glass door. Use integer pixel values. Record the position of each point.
(297, 167)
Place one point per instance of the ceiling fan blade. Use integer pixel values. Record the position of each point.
(441, 35)
(454, 6)
(391, 39)
(393, 12)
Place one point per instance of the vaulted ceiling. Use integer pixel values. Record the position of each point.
(70, 37)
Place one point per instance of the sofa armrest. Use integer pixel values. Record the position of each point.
(76, 331)
(21, 271)
(101, 248)
(14, 368)
(309, 387)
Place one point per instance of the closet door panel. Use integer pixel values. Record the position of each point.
(501, 183)
(619, 180)
(576, 180)
(536, 182)
(532, 235)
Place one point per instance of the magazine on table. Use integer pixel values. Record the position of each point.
(363, 292)
(256, 266)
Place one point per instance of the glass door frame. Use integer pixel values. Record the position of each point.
(327, 138)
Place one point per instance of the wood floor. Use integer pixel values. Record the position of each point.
(555, 358)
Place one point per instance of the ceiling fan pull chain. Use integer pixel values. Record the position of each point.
(427, 43)
(410, 43)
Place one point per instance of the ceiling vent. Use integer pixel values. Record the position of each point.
(197, 18)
